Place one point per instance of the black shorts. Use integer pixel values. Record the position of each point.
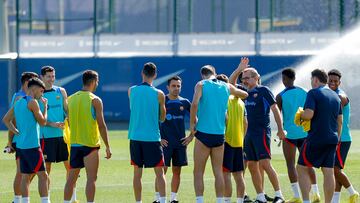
(55, 149)
(31, 160)
(233, 159)
(77, 155)
(210, 140)
(295, 142)
(175, 155)
(146, 154)
(17, 155)
(257, 145)
(317, 155)
(341, 154)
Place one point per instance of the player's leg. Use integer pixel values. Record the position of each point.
(161, 182)
(43, 186)
(304, 181)
(17, 182)
(91, 162)
(25, 184)
(201, 155)
(329, 183)
(240, 185)
(217, 155)
(228, 186)
(137, 182)
(175, 182)
(289, 151)
(70, 183)
(273, 177)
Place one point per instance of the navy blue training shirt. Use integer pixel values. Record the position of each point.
(258, 108)
(173, 128)
(327, 107)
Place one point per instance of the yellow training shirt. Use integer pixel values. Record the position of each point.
(234, 134)
(82, 120)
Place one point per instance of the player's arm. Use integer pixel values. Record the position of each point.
(241, 67)
(340, 123)
(279, 102)
(307, 114)
(344, 100)
(193, 112)
(10, 133)
(41, 117)
(237, 92)
(162, 108)
(65, 102)
(8, 121)
(98, 106)
(245, 125)
(278, 119)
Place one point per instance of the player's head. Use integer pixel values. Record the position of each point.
(250, 78)
(149, 71)
(48, 75)
(36, 87)
(90, 80)
(288, 77)
(334, 79)
(174, 86)
(222, 77)
(207, 71)
(25, 77)
(318, 78)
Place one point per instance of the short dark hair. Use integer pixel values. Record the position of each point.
(177, 78)
(46, 69)
(207, 70)
(26, 76)
(36, 82)
(149, 69)
(89, 76)
(320, 74)
(289, 72)
(223, 78)
(335, 72)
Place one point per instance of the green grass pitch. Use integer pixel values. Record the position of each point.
(114, 182)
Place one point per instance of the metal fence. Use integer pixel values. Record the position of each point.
(93, 18)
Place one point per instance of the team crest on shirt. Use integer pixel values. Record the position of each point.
(181, 108)
(57, 97)
(255, 95)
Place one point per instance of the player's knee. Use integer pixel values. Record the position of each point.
(92, 178)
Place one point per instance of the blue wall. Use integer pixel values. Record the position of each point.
(118, 74)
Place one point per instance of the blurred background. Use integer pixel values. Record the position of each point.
(116, 37)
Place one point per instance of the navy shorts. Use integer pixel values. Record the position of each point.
(175, 155)
(233, 159)
(146, 154)
(317, 155)
(210, 140)
(55, 149)
(295, 142)
(17, 154)
(77, 155)
(341, 154)
(31, 160)
(257, 145)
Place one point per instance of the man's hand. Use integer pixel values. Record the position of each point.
(9, 145)
(108, 153)
(244, 63)
(164, 143)
(281, 134)
(60, 125)
(188, 139)
(44, 101)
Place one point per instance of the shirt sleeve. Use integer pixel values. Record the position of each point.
(269, 96)
(310, 101)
